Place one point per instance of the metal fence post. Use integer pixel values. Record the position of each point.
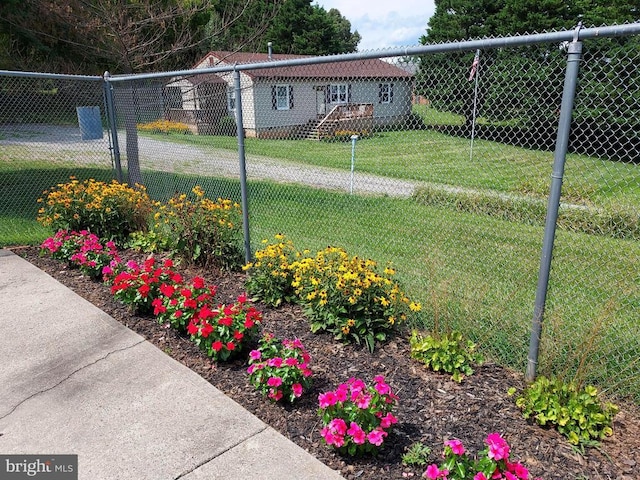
(242, 165)
(574, 54)
(113, 131)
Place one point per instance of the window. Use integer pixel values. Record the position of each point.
(338, 93)
(231, 100)
(385, 94)
(282, 97)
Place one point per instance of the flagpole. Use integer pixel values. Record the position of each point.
(476, 73)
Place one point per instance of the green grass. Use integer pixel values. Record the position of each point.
(433, 157)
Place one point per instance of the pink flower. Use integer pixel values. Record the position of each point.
(275, 362)
(331, 438)
(519, 469)
(376, 437)
(498, 447)
(338, 425)
(356, 433)
(363, 401)
(388, 420)
(255, 354)
(480, 476)
(327, 399)
(275, 395)
(433, 472)
(274, 381)
(296, 388)
(456, 446)
(251, 369)
(291, 362)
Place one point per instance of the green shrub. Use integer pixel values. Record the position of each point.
(109, 210)
(448, 353)
(202, 231)
(348, 297)
(416, 455)
(575, 412)
(270, 277)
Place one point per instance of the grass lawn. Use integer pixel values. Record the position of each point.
(430, 156)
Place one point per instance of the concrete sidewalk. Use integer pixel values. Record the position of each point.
(76, 381)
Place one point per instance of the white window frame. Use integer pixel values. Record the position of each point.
(231, 100)
(386, 92)
(338, 93)
(282, 97)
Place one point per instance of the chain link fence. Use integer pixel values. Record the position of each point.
(439, 162)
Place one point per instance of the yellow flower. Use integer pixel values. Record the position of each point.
(351, 322)
(415, 307)
(392, 320)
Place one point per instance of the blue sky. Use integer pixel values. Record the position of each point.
(385, 23)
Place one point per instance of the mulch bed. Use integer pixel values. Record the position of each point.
(432, 408)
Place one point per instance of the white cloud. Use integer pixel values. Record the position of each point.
(385, 23)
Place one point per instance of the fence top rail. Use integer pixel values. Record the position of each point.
(469, 45)
(460, 46)
(50, 76)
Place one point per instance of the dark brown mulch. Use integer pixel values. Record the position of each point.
(432, 408)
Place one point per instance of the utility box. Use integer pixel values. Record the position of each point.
(90, 123)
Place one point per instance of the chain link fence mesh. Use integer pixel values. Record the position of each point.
(410, 160)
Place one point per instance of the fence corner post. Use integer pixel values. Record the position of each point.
(574, 55)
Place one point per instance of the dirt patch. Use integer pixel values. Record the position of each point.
(432, 408)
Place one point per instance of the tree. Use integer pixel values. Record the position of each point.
(521, 87)
(297, 27)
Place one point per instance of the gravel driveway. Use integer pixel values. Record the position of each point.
(65, 142)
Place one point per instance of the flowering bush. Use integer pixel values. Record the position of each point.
(221, 332)
(202, 231)
(139, 285)
(280, 369)
(82, 249)
(348, 297)
(179, 304)
(110, 210)
(164, 126)
(270, 274)
(357, 418)
(493, 463)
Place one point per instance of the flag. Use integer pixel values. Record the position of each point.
(474, 65)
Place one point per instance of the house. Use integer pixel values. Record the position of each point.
(309, 101)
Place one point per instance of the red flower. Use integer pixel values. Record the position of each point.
(186, 293)
(198, 282)
(190, 303)
(231, 346)
(226, 321)
(206, 329)
(192, 328)
(205, 312)
(242, 298)
(144, 290)
(167, 290)
(217, 345)
(238, 335)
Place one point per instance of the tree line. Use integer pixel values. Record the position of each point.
(133, 36)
